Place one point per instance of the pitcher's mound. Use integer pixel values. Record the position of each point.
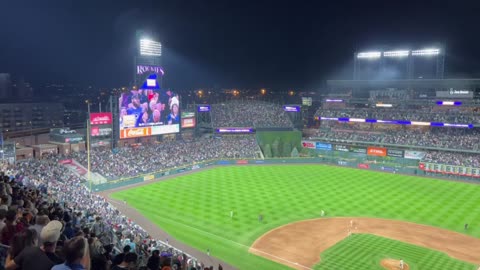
(392, 264)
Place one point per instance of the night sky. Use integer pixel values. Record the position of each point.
(274, 44)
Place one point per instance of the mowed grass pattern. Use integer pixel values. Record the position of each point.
(195, 208)
(364, 251)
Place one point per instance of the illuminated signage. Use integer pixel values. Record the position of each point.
(188, 122)
(101, 118)
(291, 108)
(188, 114)
(204, 108)
(396, 122)
(234, 130)
(141, 69)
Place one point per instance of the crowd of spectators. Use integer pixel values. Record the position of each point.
(50, 220)
(447, 138)
(452, 158)
(249, 114)
(428, 114)
(129, 161)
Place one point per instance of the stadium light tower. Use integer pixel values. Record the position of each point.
(149, 47)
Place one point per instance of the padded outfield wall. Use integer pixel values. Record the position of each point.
(387, 165)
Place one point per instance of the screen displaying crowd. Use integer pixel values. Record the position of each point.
(144, 108)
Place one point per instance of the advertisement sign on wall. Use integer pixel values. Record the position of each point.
(308, 144)
(188, 122)
(323, 146)
(135, 132)
(101, 131)
(342, 148)
(358, 150)
(363, 166)
(377, 151)
(414, 154)
(101, 118)
(395, 153)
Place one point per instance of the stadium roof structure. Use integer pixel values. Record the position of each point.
(415, 83)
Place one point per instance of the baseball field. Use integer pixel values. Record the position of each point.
(371, 219)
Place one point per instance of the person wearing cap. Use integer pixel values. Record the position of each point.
(49, 237)
(35, 258)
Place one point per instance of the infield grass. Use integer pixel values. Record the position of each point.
(195, 208)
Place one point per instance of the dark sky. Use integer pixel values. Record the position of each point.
(274, 44)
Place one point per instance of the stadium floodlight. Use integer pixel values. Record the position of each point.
(370, 55)
(432, 51)
(150, 47)
(396, 53)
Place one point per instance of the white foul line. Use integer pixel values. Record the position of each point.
(223, 238)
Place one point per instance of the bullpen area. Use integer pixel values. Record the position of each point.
(317, 217)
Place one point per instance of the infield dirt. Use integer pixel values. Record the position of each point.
(300, 244)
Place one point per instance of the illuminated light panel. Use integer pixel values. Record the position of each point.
(369, 55)
(384, 105)
(449, 103)
(426, 52)
(358, 120)
(329, 118)
(334, 100)
(415, 123)
(150, 47)
(396, 53)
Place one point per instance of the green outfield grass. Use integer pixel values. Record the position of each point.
(364, 251)
(195, 208)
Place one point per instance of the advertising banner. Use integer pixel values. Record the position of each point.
(148, 177)
(455, 93)
(377, 151)
(323, 146)
(414, 154)
(241, 162)
(234, 130)
(308, 144)
(74, 139)
(203, 108)
(342, 148)
(363, 166)
(342, 163)
(101, 118)
(101, 131)
(358, 150)
(188, 122)
(135, 132)
(188, 114)
(395, 153)
(291, 108)
(387, 169)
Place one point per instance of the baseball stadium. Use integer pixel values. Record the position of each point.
(377, 172)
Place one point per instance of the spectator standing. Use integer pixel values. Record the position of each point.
(129, 262)
(76, 255)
